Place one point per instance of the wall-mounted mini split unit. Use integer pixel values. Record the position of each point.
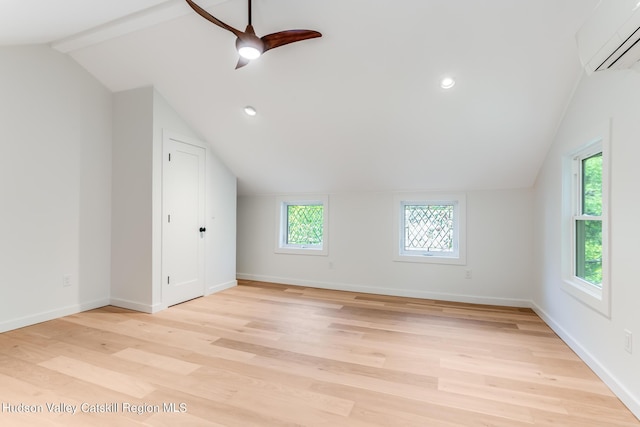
(610, 38)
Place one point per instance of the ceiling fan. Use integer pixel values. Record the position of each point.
(249, 45)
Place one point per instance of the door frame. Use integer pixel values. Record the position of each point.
(169, 137)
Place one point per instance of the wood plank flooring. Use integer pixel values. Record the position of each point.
(266, 354)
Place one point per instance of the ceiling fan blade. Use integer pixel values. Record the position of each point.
(271, 41)
(206, 15)
(241, 62)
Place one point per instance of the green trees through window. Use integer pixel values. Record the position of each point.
(428, 227)
(304, 224)
(585, 218)
(589, 221)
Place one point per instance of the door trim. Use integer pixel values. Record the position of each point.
(169, 136)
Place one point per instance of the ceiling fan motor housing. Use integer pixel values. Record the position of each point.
(249, 42)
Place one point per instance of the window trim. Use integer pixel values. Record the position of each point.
(282, 202)
(596, 297)
(459, 202)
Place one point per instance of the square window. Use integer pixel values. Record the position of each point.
(431, 228)
(428, 229)
(302, 226)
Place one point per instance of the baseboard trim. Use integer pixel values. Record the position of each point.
(154, 308)
(21, 322)
(411, 293)
(596, 366)
(135, 306)
(221, 287)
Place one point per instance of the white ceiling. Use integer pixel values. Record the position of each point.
(43, 21)
(359, 109)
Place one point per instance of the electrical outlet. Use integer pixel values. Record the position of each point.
(628, 341)
(66, 280)
(467, 274)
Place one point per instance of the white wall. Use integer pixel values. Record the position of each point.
(499, 250)
(596, 338)
(55, 180)
(63, 210)
(131, 267)
(140, 118)
(220, 271)
(220, 214)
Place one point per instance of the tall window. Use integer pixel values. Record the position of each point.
(302, 225)
(431, 228)
(585, 224)
(588, 219)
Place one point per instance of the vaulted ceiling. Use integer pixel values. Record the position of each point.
(360, 109)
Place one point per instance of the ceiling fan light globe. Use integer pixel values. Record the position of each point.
(249, 52)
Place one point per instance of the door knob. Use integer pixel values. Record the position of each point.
(202, 229)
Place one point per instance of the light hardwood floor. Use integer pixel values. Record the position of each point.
(273, 355)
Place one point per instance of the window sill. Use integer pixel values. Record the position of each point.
(303, 251)
(430, 259)
(589, 295)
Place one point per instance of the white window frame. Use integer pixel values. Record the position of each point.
(282, 247)
(596, 297)
(459, 203)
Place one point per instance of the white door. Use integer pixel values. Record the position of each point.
(183, 231)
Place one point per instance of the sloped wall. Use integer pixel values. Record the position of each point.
(599, 340)
(55, 187)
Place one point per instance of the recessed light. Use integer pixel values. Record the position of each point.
(250, 111)
(447, 83)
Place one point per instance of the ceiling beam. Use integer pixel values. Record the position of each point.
(154, 15)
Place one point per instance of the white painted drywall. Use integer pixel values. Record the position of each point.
(55, 187)
(220, 269)
(131, 239)
(140, 118)
(220, 211)
(499, 250)
(597, 339)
